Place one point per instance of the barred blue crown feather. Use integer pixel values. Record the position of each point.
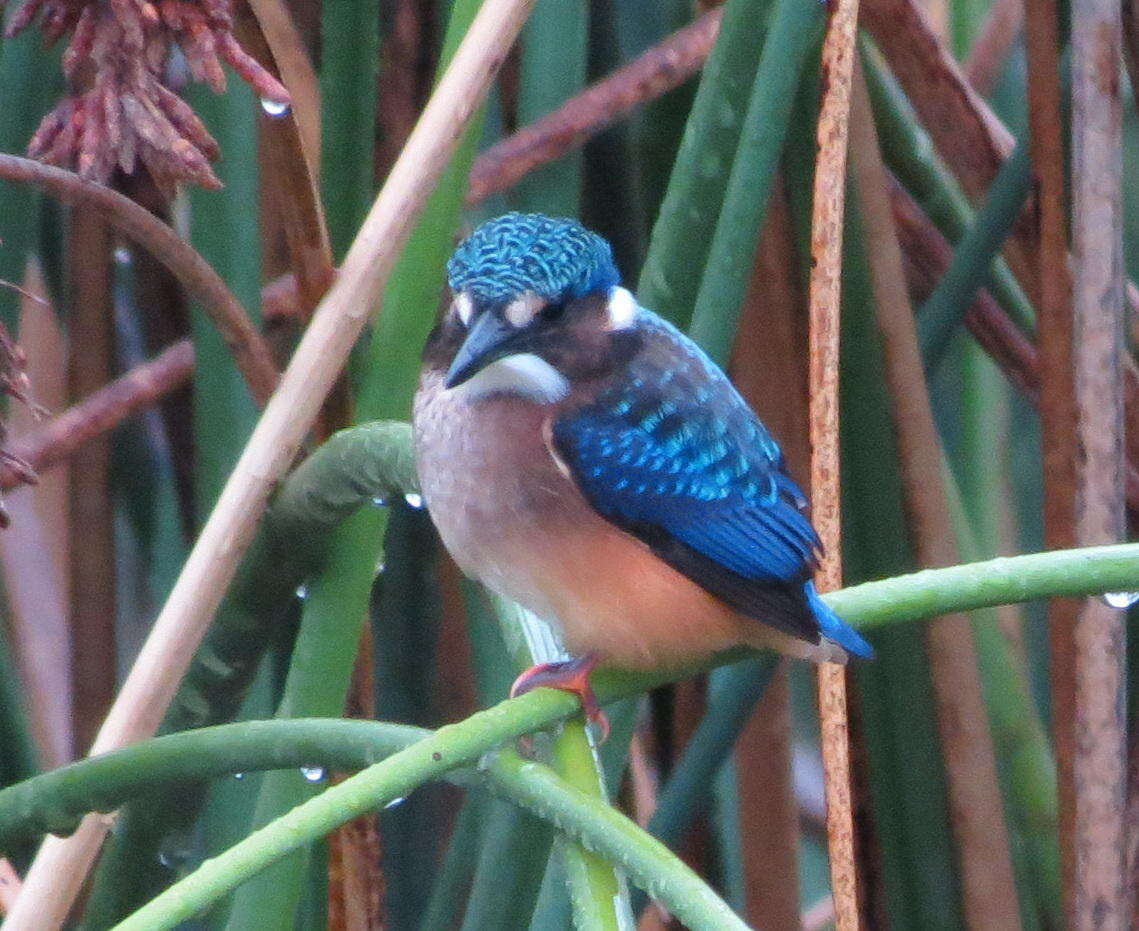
(671, 453)
(554, 257)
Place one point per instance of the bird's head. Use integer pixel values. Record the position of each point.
(536, 307)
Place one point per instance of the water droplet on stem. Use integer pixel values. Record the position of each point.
(275, 108)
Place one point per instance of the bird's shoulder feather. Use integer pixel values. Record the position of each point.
(670, 452)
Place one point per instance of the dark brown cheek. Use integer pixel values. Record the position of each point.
(444, 342)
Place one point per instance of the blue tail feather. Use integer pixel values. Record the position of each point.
(835, 628)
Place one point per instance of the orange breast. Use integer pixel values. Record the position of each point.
(511, 519)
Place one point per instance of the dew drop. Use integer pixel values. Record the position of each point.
(239, 775)
(395, 801)
(380, 567)
(275, 108)
(1121, 599)
(123, 255)
(413, 500)
(302, 592)
(313, 773)
(379, 502)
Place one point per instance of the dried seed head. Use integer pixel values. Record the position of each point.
(126, 114)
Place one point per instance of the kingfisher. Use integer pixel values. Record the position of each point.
(583, 457)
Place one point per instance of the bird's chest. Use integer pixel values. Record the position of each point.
(493, 487)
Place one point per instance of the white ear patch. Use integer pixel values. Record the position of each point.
(622, 308)
(464, 306)
(523, 374)
(521, 311)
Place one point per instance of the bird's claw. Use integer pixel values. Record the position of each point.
(569, 676)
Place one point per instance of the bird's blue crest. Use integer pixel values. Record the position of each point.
(553, 257)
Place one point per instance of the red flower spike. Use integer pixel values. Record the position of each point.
(127, 114)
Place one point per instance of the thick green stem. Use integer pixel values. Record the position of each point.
(796, 28)
(1090, 570)
(924, 594)
(941, 315)
(611, 835)
(448, 748)
(596, 892)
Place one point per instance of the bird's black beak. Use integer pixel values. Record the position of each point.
(487, 341)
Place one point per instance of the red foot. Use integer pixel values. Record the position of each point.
(569, 676)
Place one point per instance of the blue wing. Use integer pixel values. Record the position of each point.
(672, 454)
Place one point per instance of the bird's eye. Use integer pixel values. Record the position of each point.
(552, 311)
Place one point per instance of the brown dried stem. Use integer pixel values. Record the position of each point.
(61, 865)
(102, 411)
(989, 897)
(660, 69)
(91, 518)
(991, 48)
(1057, 388)
(769, 366)
(291, 150)
(249, 348)
(1099, 892)
(824, 297)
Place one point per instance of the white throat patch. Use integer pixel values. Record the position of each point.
(523, 374)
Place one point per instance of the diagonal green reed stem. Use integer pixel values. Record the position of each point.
(596, 892)
(670, 276)
(797, 27)
(454, 745)
(923, 594)
(941, 315)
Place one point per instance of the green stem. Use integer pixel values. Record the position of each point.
(596, 892)
(941, 315)
(611, 835)
(1090, 570)
(796, 28)
(448, 748)
(911, 156)
(919, 595)
(670, 276)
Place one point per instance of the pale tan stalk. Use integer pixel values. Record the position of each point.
(60, 867)
(1099, 896)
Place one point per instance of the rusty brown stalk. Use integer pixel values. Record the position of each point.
(1057, 388)
(103, 410)
(988, 888)
(769, 366)
(291, 147)
(655, 72)
(1131, 825)
(91, 519)
(1098, 895)
(823, 350)
(249, 348)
